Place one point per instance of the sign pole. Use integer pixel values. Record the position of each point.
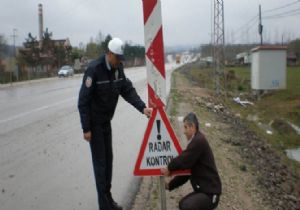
(162, 193)
(155, 65)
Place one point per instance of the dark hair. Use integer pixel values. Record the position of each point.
(191, 119)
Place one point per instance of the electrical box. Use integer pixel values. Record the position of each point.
(268, 68)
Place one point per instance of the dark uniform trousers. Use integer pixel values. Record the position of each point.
(102, 156)
(199, 201)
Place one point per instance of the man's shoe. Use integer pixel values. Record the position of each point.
(113, 204)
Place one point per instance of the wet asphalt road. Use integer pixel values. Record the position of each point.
(44, 162)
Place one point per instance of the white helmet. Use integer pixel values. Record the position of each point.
(116, 46)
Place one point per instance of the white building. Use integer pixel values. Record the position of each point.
(268, 68)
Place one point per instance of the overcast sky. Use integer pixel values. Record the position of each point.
(185, 22)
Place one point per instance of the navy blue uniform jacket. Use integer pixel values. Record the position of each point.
(100, 91)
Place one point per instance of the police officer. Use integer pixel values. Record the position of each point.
(103, 82)
(197, 157)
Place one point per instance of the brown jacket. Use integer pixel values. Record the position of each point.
(199, 158)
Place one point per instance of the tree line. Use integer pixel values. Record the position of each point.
(134, 54)
(42, 58)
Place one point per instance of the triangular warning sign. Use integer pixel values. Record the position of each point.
(159, 146)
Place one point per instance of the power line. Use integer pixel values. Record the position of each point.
(247, 30)
(283, 16)
(282, 7)
(287, 13)
(253, 19)
(240, 32)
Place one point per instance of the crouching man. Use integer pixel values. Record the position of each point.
(204, 177)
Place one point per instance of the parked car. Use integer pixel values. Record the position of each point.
(66, 71)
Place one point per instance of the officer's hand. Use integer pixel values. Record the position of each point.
(148, 112)
(87, 136)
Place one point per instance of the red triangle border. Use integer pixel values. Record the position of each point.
(156, 172)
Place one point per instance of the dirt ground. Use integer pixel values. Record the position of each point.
(245, 185)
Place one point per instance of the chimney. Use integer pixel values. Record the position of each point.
(41, 22)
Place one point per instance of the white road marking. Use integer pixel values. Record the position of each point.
(35, 110)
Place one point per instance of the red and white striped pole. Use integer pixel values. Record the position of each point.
(156, 75)
(154, 47)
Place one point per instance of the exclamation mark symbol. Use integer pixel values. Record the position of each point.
(158, 129)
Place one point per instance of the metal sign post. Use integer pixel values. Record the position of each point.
(162, 192)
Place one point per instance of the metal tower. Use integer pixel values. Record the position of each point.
(218, 43)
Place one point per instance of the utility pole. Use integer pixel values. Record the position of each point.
(212, 32)
(219, 41)
(14, 36)
(260, 27)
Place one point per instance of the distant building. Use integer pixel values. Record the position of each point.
(291, 59)
(178, 58)
(206, 61)
(244, 58)
(51, 54)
